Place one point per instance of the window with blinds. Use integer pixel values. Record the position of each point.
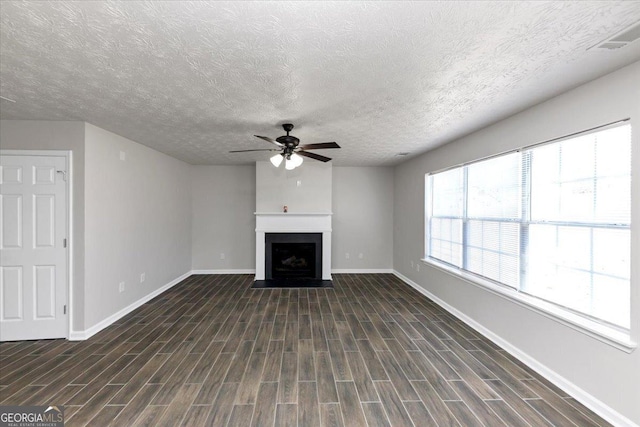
(551, 221)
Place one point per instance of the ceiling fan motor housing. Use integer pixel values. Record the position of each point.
(289, 141)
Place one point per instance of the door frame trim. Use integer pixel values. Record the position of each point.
(68, 155)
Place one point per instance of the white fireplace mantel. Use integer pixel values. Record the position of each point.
(292, 222)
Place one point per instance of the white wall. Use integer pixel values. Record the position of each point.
(48, 135)
(138, 220)
(223, 206)
(304, 189)
(141, 217)
(362, 218)
(224, 202)
(606, 373)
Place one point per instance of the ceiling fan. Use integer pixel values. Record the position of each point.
(290, 149)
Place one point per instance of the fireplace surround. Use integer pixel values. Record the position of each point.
(288, 226)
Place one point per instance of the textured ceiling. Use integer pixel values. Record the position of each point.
(197, 79)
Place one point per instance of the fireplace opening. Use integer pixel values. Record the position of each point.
(293, 255)
(293, 260)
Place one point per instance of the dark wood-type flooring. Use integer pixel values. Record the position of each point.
(212, 351)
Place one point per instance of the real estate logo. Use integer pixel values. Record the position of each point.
(31, 416)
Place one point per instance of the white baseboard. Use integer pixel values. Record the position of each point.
(588, 400)
(88, 333)
(77, 336)
(238, 271)
(362, 271)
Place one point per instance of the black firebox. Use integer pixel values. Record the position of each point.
(293, 256)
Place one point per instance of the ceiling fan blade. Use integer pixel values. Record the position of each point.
(319, 145)
(266, 138)
(314, 156)
(258, 149)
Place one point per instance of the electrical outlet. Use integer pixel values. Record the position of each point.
(347, 255)
(123, 156)
(142, 277)
(417, 266)
(121, 287)
(222, 256)
(360, 255)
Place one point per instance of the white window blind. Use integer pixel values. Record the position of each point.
(445, 228)
(493, 209)
(579, 236)
(552, 221)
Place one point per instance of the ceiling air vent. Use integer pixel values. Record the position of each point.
(621, 39)
(610, 45)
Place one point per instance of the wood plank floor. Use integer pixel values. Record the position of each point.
(211, 351)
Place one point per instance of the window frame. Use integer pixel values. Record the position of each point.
(617, 336)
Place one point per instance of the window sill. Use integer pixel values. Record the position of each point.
(604, 333)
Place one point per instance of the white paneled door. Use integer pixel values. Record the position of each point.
(33, 245)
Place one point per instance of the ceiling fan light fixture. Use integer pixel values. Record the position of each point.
(298, 159)
(289, 164)
(276, 160)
